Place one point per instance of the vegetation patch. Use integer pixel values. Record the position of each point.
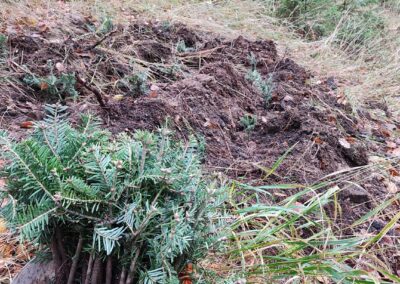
(351, 23)
(136, 207)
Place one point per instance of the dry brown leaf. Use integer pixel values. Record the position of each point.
(3, 226)
(153, 94)
(393, 172)
(351, 140)
(43, 86)
(385, 133)
(26, 124)
(210, 124)
(318, 140)
(332, 119)
(341, 98)
(42, 27)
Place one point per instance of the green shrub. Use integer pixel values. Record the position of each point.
(139, 203)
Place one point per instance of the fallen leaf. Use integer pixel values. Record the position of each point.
(387, 240)
(385, 133)
(391, 187)
(185, 275)
(351, 140)
(391, 144)
(393, 172)
(332, 119)
(26, 124)
(43, 86)
(341, 98)
(154, 87)
(118, 97)
(42, 27)
(299, 207)
(280, 194)
(153, 94)
(211, 124)
(318, 140)
(344, 143)
(396, 152)
(288, 98)
(60, 67)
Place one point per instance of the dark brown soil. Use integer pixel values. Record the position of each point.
(203, 90)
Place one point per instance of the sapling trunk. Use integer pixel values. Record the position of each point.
(56, 257)
(97, 271)
(61, 248)
(131, 274)
(84, 271)
(75, 261)
(89, 269)
(109, 270)
(122, 278)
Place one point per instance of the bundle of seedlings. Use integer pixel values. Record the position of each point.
(110, 209)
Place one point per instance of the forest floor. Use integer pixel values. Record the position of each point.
(264, 115)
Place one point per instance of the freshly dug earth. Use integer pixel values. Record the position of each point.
(199, 83)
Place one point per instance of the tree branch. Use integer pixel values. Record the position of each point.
(99, 97)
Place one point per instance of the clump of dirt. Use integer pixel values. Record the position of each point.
(203, 83)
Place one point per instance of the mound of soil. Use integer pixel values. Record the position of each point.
(208, 94)
(201, 83)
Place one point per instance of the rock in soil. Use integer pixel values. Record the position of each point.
(355, 194)
(35, 273)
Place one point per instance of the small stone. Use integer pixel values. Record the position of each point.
(355, 194)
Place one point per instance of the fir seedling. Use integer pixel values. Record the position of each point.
(138, 84)
(106, 25)
(248, 122)
(3, 41)
(266, 87)
(138, 205)
(182, 47)
(52, 85)
(166, 26)
(253, 61)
